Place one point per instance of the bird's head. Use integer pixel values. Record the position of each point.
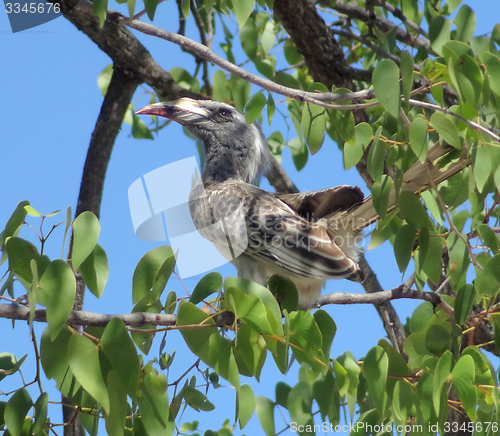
(234, 150)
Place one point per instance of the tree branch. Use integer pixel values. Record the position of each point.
(352, 10)
(83, 318)
(398, 13)
(383, 297)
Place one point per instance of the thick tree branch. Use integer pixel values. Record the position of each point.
(82, 318)
(125, 50)
(140, 319)
(205, 53)
(383, 297)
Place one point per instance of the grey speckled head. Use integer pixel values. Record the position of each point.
(233, 149)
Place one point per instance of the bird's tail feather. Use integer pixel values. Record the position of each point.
(415, 179)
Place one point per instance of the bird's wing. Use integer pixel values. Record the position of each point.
(415, 179)
(315, 205)
(276, 235)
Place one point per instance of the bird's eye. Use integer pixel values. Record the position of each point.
(224, 113)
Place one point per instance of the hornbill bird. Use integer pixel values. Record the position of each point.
(307, 237)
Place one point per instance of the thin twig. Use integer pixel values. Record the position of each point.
(209, 55)
(398, 13)
(448, 218)
(447, 111)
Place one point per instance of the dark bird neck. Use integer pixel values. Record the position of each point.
(236, 159)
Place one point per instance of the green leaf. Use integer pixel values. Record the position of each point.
(16, 410)
(462, 377)
(488, 279)
(463, 303)
(161, 278)
(439, 32)
(9, 364)
(446, 129)
(470, 79)
(299, 404)
(403, 245)
(146, 271)
(246, 405)
(185, 5)
(95, 271)
(282, 391)
(171, 302)
(285, 292)
(116, 419)
(375, 366)
(492, 64)
(139, 129)
(376, 157)
(313, 126)
(343, 123)
(14, 223)
(210, 283)
(150, 7)
(407, 73)
(58, 290)
(465, 21)
(251, 347)
(380, 195)
(222, 359)
(242, 9)
(86, 229)
(100, 8)
(429, 254)
(273, 311)
(248, 308)
(418, 138)
(104, 78)
(325, 392)
(441, 375)
(197, 400)
(68, 221)
(41, 406)
(265, 412)
(489, 237)
(197, 340)
(254, 107)
(299, 152)
(32, 211)
(437, 339)
(354, 149)
(83, 358)
(119, 348)
(154, 405)
(412, 210)
(271, 107)
(249, 34)
(385, 81)
(20, 253)
(328, 328)
(482, 166)
(402, 402)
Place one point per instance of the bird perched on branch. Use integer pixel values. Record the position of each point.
(308, 237)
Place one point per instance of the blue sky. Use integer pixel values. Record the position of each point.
(49, 104)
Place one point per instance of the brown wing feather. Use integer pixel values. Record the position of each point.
(315, 205)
